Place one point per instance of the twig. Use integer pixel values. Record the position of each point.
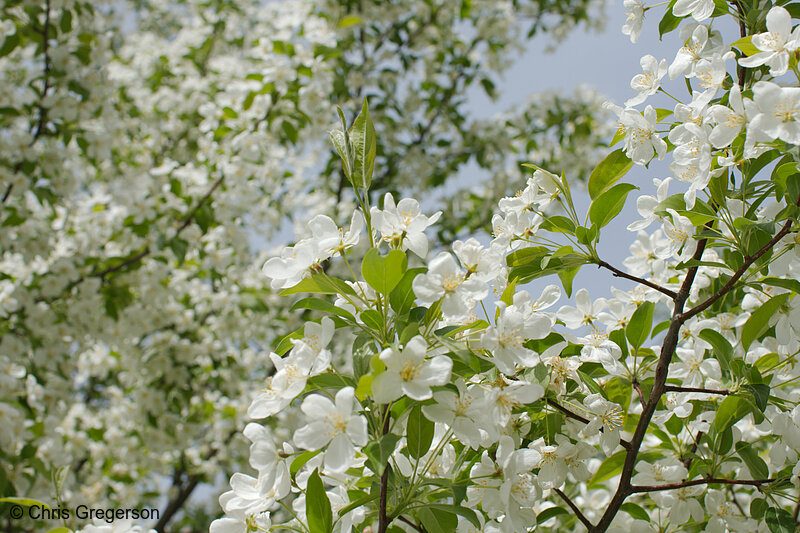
(704, 481)
(687, 462)
(638, 389)
(624, 443)
(188, 219)
(673, 388)
(620, 274)
(740, 272)
(566, 411)
(186, 490)
(410, 523)
(575, 509)
(735, 501)
(45, 52)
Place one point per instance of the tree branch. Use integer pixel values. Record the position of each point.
(673, 388)
(566, 411)
(188, 219)
(45, 52)
(624, 489)
(410, 523)
(704, 481)
(575, 509)
(569, 414)
(740, 272)
(620, 274)
(176, 503)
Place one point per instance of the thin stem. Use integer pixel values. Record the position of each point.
(383, 521)
(46, 87)
(410, 523)
(739, 273)
(569, 414)
(620, 274)
(704, 481)
(575, 509)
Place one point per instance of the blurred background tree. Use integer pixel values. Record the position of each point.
(152, 151)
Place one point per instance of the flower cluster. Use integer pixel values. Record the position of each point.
(468, 401)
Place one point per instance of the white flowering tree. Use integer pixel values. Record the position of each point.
(670, 406)
(150, 149)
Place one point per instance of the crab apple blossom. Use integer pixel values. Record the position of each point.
(399, 395)
(334, 427)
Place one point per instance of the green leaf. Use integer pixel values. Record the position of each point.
(550, 512)
(437, 522)
(358, 503)
(402, 296)
(722, 349)
(758, 322)
(779, 521)
(320, 284)
(608, 205)
(318, 507)
(318, 304)
(60, 529)
(608, 172)
(730, 411)
(383, 273)
(9, 44)
(419, 433)
(758, 468)
(339, 139)
(788, 284)
(638, 329)
(378, 452)
(668, 22)
(350, 20)
(524, 256)
(760, 392)
(362, 138)
(469, 514)
(746, 46)
(758, 506)
(24, 502)
(635, 511)
(372, 319)
(301, 460)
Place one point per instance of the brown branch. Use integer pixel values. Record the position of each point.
(735, 501)
(741, 71)
(188, 219)
(620, 274)
(129, 261)
(569, 414)
(410, 523)
(575, 509)
(687, 462)
(40, 123)
(639, 391)
(175, 504)
(704, 481)
(146, 250)
(673, 388)
(740, 272)
(7, 193)
(566, 411)
(624, 489)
